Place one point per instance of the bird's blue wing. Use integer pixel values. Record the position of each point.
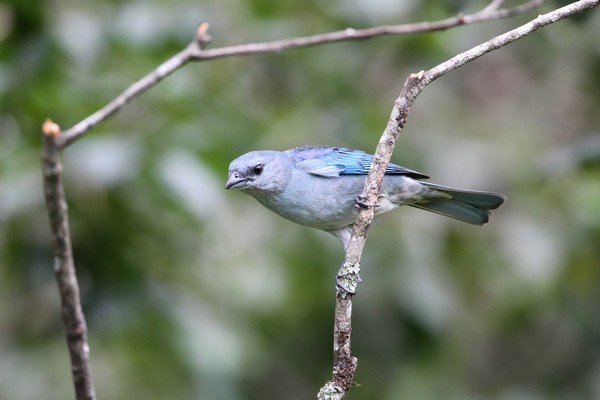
(335, 161)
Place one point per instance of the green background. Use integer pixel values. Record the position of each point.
(192, 292)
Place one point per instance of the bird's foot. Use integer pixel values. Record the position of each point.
(361, 202)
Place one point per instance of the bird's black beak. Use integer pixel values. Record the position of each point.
(235, 181)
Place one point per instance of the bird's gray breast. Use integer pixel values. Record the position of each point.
(318, 202)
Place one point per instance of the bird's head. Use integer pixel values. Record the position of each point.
(259, 171)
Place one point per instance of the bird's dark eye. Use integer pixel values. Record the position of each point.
(258, 169)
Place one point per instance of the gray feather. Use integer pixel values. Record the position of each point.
(317, 186)
(470, 206)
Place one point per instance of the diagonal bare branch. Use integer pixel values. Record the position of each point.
(342, 376)
(201, 40)
(344, 363)
(487, 14)
(195, 52)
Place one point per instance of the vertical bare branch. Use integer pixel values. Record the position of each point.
(344, 363)
(64, 269)
(54, 141)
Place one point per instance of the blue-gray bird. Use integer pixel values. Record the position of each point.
(319, 186)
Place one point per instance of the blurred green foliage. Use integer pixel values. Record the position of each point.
(193, 292)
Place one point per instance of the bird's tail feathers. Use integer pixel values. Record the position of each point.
(470, 206)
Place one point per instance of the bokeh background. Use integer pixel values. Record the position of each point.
(192, 292)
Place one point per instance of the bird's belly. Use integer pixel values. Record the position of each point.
(326, 214)
(321, 206)
(330, 203)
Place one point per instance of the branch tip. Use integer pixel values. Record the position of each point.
(350, 31)
(51, 128)
(419, 75)
(202, 36)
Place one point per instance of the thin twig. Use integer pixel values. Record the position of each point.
(195, 52)
(175, 62)
(344, 363)
(55, 141)
(356, 34)
(73, 319)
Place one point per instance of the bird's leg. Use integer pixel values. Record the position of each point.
(361, 202)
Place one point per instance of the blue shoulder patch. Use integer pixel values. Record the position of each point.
(335, 161)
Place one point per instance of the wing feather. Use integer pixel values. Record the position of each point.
(332, 162)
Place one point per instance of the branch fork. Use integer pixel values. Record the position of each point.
(56, 140)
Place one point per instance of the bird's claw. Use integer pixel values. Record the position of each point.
(361, 202)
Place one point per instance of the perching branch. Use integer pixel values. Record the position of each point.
(195, 52)
(56, 140)
(344, 363)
